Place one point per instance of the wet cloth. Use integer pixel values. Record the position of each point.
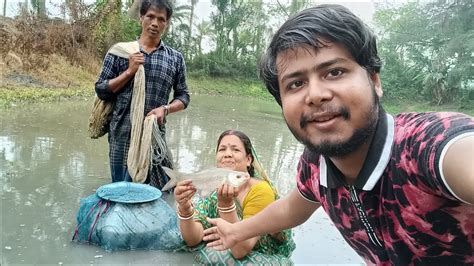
(209, 256)
(119, 226)
(265, 245)
(400, 210)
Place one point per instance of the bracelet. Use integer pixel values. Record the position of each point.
(227, 210)
(167, 109)
(181, 217)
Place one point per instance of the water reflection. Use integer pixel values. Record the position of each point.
(47, 164)
(192, 136)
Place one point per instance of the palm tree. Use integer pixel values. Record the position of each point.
(203, 29)
(191, 16)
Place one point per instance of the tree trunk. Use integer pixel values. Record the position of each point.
(190, 30)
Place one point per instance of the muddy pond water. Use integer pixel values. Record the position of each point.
(48, 163)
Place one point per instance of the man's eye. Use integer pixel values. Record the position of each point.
(334, 73)
(295, 85)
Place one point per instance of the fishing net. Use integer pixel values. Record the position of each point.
(99, 118)
(120, 226)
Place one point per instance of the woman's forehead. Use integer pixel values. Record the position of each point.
(231, 140)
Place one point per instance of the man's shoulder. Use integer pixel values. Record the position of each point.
(408, 123)
(172, 50)
(403, 118)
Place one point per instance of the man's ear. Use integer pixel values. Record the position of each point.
(377, 83)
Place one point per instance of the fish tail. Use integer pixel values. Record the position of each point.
(173, 178)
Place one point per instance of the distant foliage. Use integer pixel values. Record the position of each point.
(427, 47)
(112, 25)
(428, 50)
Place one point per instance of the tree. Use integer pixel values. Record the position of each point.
(427, 49)
(203, 29)
(191, 16)
(39, 7)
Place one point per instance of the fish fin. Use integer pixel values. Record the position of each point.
(173, 179)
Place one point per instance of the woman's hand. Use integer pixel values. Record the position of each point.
(225, 195)
(183, 192)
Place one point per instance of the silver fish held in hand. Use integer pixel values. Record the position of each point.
(207, 180)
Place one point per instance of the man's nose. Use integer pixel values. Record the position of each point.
(154, 22)
(318, 92)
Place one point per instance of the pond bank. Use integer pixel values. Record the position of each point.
(65, 81)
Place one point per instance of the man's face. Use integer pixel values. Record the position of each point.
(154, 22)
(329, 102)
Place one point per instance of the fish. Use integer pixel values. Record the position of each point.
(207, 180)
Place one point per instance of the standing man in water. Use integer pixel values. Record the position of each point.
(164, 71)
(399, 188)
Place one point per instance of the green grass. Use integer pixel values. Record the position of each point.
(11, 96)
(395, 107)
(228, 86)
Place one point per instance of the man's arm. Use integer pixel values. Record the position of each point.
(110, 82)
(134, 61)
(458, 168)
(180, 87)
(285, 213)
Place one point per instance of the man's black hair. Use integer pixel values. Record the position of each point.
(162, 4)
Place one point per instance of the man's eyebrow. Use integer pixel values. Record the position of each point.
(316, 68)
(330, 63)
(292, 75)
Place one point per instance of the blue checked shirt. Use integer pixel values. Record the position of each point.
(164, 71)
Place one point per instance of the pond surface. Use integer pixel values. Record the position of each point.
(48, 163)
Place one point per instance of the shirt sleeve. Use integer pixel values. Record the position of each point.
(307, 172)
(430, 134)
(180, 86)
(109, 71)
(259, 197)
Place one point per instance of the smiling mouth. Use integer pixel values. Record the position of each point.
(318, 119)
(324, 118)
